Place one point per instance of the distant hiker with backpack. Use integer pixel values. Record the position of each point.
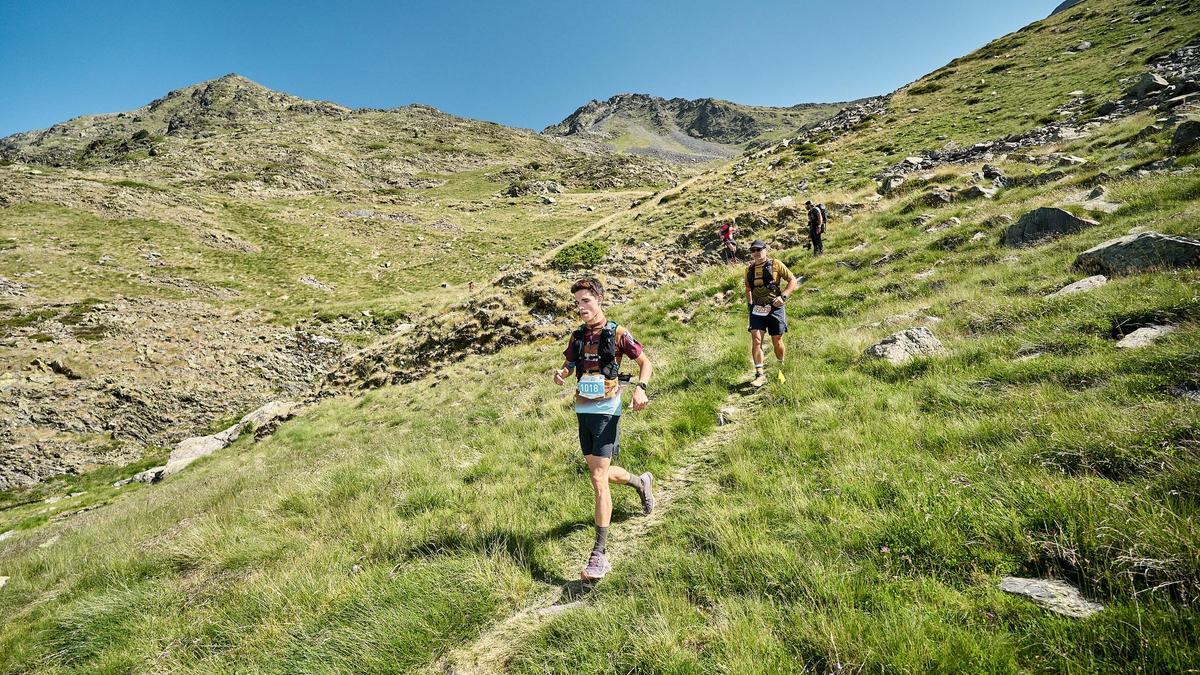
(594, 353)
(765, 299)
(816, 226)
(728, 245)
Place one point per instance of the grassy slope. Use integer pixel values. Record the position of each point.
(297, 237)
(862, 520)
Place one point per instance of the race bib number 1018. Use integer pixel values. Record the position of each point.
(591, 386)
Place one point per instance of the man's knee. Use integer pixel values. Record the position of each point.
(599, 479)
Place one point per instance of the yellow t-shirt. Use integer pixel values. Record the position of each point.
(755, 281)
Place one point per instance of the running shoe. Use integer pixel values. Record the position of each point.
(647, 493)
(597, 566)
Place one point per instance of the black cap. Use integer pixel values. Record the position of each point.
(757, 243)
(808, 202)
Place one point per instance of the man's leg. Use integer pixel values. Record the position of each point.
(780, 349)
(756, 349)
(756, 356)
(599, 467)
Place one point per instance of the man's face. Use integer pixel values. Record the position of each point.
(587, 304)
(760, 254)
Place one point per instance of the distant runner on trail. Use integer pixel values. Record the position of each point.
(765, 300)
(816, 226)
(594, 353)
(728, 245)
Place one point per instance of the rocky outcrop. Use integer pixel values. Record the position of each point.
(907, 345)
(1043, 224)
(261, 421)
(1142, 252)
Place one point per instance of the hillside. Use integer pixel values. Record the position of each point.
(164, 269)
(428, 511)
(685, 131)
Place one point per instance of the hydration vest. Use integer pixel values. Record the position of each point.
(609, 361)
(765, 278)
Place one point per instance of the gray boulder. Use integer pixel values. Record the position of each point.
(1145, 336)
(889, 184)
(1081, 286)
(1043, 224)
(937, 197)
(978, 192)
(1186, 138)
(1141, 252)
(1057, 596)
(907, 345)
(1150, 83)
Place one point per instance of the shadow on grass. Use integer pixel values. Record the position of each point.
(520, 546)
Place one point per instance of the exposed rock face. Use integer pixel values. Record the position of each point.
(1142, 252)
(116, 378)
(1081, 286)
(1145, 336)
(907, 345)
(1043, 224)
(1057, 596)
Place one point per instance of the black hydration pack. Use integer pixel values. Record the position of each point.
(606, 350)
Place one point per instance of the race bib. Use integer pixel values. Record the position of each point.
(591, 386)
(761, 310)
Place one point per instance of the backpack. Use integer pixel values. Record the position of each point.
(606, 349)
(767, 278)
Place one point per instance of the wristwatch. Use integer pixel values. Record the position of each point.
(642, 386)
(783, 298)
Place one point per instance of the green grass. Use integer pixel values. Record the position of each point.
(859, 521)
(862, 518)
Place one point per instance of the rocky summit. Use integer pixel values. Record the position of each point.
(682, 130)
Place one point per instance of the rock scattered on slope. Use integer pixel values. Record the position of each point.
(907, 345)
(1145, 336)
(1097, 200)
(1081, 286)
(1141, 252)
(1043, 224)
(1056, 596)
(189, 450)
(1186, 138)
(1149, 83)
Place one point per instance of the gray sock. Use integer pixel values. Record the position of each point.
(601, 539)
(635, 482)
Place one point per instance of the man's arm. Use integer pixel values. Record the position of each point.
(645, 371)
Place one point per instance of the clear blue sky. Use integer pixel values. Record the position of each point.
(518, 62)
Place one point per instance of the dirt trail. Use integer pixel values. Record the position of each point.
(494, 648)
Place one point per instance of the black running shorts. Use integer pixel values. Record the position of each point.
(774, 323)
(598, 434)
